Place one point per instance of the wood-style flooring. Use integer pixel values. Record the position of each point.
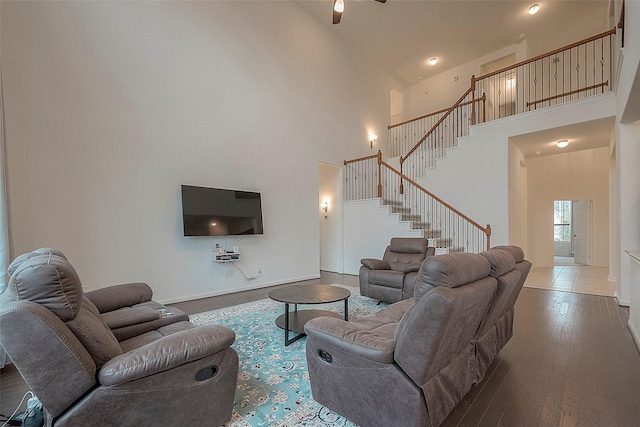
(571, 362)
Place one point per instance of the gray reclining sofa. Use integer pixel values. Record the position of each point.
(411, 363)
(112, 357)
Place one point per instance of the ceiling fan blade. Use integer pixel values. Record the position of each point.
(337, 15)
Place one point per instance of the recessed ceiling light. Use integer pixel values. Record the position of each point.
(433, 61)
(562, 143)
(533, 9)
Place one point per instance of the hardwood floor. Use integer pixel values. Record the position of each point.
(571, 361)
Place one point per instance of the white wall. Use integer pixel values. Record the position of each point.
(580, 175)
(518, 178)
(627, 153)
(441, 91)
(110, 106)
(368, 229)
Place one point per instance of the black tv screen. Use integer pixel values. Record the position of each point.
(219, 212)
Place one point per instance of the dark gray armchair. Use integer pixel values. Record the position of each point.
(166, 373)
(393, 277)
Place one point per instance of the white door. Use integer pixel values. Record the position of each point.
(582, 231)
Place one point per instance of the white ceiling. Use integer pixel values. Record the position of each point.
(582, 136)
(399, 36)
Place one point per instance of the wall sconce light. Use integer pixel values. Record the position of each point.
(372, 139)
(324, 205)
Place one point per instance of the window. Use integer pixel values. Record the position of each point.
(562, 220)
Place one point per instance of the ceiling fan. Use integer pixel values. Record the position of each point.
(338, 8)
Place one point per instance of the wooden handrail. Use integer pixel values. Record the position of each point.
(573, 92)
(544, 55)
(373, 156)
(444, 110)
(426, 135)
(424, 190)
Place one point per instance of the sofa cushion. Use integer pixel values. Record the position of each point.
(50, 281)
(375, 264)
(24, 257)
(501, 261)
(94, 335)
(408, 245)
(516, 252)
(389, 278)
(450, 270)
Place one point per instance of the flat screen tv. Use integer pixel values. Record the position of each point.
(219, 212)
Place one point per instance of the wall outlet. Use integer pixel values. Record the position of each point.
(228, 274)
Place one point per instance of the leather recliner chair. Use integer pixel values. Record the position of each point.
(409, 364)
(166, 373)
(392, 278)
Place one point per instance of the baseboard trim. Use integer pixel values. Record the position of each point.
(621, 302)
(634, 334)
(238, 289)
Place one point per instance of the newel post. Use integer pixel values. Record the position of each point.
(473, 99)
(487, 231)
(379, 173)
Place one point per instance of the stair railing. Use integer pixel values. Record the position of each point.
(435, 143)
(576, 71)
(371, 177)
(403, 136)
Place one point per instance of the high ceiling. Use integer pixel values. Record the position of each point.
(399, 36)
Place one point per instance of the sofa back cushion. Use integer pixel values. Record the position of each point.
(51, 281)
(440, 327)
(404, 251)
(450, 270)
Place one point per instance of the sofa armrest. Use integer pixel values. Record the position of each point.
(127, 316)
(118, 296)
(351, 338)
(409, 268)
(375, 264)
(166, 353)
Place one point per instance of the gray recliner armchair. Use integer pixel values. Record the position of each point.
(165, 373)
(410, 363)
(393, 277)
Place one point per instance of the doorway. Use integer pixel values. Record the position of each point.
(572, 232)
(330, 226)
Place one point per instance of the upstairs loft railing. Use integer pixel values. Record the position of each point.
(371, 177)
(573, 72)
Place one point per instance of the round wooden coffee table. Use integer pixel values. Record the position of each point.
(306, 294)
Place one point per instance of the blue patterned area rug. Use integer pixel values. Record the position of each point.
(273, 381)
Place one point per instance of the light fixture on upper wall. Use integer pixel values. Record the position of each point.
(324, 205)
(433, 61)
(372, 139)
(562, 143)
(534, 8)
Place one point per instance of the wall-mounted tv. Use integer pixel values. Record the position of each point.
(219, 212)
